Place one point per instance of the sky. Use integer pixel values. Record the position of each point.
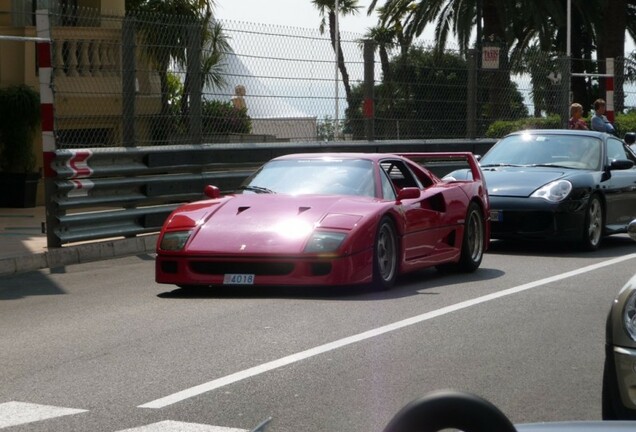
(302, 13)
(291, 13)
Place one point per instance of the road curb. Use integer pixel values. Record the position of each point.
(78, 254)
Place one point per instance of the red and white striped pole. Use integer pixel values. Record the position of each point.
(45, 71)
(47, 121)
(609, 89)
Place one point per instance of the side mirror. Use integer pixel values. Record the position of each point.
(630, 138)
(408, 193)
(212, 192)
(621, 164)
(631, 230)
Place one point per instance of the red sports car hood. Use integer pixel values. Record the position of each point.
(273, 224)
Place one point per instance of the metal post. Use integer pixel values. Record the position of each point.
(194, 89)
(609, 89)
(45, 72)
(565, 91)
(336, 50)
(369, 85)
(471, 96)
(129, 81)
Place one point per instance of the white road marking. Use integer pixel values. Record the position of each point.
(303, 355)
(17, 413)
(175, 426)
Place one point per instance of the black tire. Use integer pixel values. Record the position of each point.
(472, 251)
(593, 225)
(612, 406)
(385, 255)
(473, 242)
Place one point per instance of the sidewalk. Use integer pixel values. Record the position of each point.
(23, 244)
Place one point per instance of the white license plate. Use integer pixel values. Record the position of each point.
(238, 279)
(496, 215)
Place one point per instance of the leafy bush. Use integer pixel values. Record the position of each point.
(626, 122)
(223, 118)
(19, 117)
(502, 128)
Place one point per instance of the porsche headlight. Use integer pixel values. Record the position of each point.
(629, 316)
(554, 192)
(324, 241)
(174, 240)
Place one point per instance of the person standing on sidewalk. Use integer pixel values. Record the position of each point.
(576, 117)
(599, 121)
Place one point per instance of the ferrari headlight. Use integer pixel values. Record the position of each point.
(554, 192)
(174, 240)
(629, 316)
(324, 242)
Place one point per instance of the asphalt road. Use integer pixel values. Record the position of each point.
(102, 347)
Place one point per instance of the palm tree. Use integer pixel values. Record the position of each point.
(328, 14)
(164, 29)
(384, 39)
(214, 48)
(459, 17)
(393, 20)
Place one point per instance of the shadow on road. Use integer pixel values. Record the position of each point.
(416, 283)
(611, 247)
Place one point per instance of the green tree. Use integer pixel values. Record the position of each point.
(459, 18)
(214, 48)
(166, 27)
(328, 14)
(428, 100)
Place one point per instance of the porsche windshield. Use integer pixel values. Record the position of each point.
(313, 176)
(570, 151)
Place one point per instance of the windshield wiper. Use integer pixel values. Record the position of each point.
(257, 189)
(550, 166)
(500, 165)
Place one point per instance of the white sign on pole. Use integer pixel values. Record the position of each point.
(490, 58)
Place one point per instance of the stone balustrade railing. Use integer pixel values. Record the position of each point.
(86, 51)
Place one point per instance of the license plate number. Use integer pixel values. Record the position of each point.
(238, 279)
(496, 215)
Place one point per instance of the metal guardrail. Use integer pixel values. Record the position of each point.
(128, 191)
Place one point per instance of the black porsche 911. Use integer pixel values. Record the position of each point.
(558, 184)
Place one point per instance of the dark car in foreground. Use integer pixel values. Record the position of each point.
(328, 219)
(619, 372)
(577, 186)
(455, 410)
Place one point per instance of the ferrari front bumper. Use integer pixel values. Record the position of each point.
(291, 271)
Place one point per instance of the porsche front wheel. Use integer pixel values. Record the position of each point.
(593, 225)
(385, 255)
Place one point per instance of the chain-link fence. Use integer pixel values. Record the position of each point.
(151, 79)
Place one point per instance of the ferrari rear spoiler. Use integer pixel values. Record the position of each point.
(441, 163)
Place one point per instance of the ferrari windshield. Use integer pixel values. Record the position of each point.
(313, 176)
(561, 150)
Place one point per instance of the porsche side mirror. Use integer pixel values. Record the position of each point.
(630, 138)
(631, 230)
(621, 164)
(212, 192)
(408, 193)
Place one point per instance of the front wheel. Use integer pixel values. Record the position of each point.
(473, 241)
(385, 255)
(593, 225)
